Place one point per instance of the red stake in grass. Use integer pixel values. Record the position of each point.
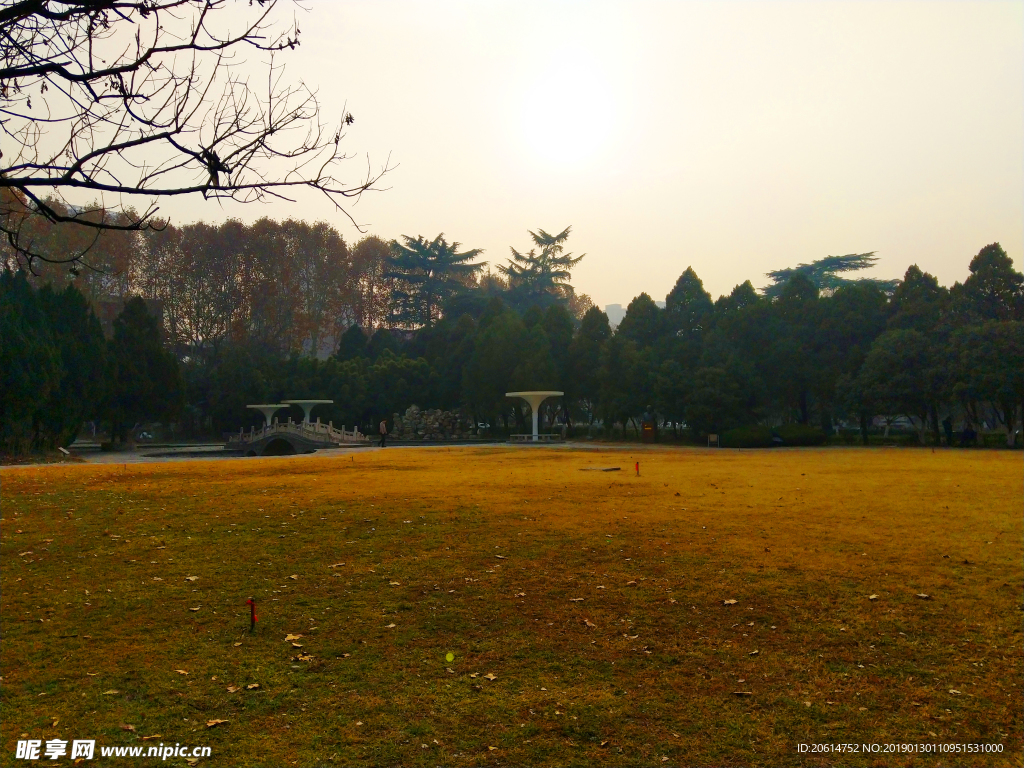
(638, 469)
(252, 615)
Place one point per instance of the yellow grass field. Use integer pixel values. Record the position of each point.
(499, 606)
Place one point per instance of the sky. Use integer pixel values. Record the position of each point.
(734, 137)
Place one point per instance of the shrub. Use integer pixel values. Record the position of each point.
(756, 436)
(747, 437)
(801, 434)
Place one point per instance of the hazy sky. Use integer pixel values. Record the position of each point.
(734, 137)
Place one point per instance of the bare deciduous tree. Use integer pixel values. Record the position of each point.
(120, 100)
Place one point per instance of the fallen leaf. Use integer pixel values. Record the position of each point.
(589, 623)
(391, 626)
(194, 609)
(296, 645)
(289, 638)
(192, 761)
(922, 595)
(954, 691)
(576, 599)
(492, 748)
(474, 674)
(92, 674)
(807, 703)
(604, 743)
(394, 584)
(753, 653)
(359, 722)
(729, 602)
(155, 736)
(212, 723)
(191, 578)
(237, 644)
(500, 557)
(232, 689)
(181, 671)
(742, 693)
(490, 676)
(252, 686)
(110, 692)
(126, 727)
(933, 734)
(157, 578)
(57, 720)
(629, 583)
(336, 565)
(872, 597)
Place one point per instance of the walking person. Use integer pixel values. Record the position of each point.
(383, 429)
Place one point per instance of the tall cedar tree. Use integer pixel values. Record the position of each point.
(428, 273)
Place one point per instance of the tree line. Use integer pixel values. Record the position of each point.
(278, 310)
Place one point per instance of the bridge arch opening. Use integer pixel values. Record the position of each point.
(279, 447)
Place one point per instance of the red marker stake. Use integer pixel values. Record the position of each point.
(252, 615)
(638, 469)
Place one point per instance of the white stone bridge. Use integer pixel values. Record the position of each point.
(285, 438)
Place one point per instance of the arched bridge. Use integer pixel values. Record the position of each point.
(285, 439)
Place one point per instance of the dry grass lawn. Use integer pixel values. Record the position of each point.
(584, 611)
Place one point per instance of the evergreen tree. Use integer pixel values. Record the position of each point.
(145, 381)
(585, 360)
(642, 323)
(82, 349)
(429, 273)
(492, 367)
(989, 361)
(30, 365)
(918, 302)
(904, 374)
(687, 305)
(382, 340)
(825, 273)
(352, 344)
(542, 278)
(994, 291)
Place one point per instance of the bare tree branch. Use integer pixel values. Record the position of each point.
(148, 99)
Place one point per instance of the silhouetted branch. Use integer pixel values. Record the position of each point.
(147, 99)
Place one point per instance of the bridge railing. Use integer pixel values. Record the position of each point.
(315, 432)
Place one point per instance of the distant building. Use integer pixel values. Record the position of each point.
(615, 314)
